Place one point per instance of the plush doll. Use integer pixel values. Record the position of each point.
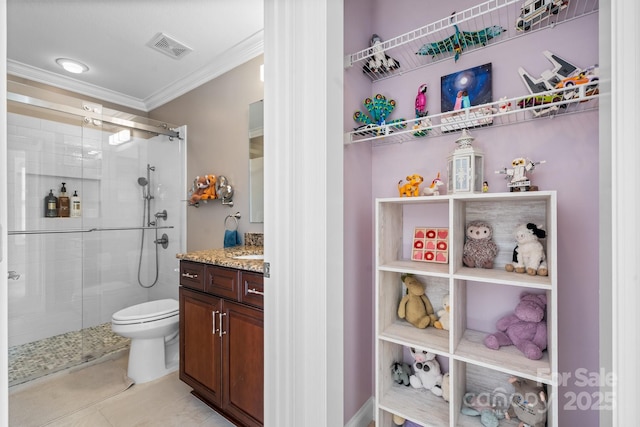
(400, 372)
(526, 328)
(529, 255)
(443, 315)
(427, 372)
(209, 192)
(205, 189)
(528, 403)
(415, 307)
(481, 406)
(479, 250)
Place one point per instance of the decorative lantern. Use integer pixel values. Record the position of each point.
(465, 166)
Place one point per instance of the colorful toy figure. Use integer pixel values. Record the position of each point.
(434, 188)
(379, 108)
(412, 187)
(517, 176)
(380, 62)
(423, 125)
(460, 40)
(534, 11)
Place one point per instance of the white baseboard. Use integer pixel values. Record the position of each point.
(364, 416)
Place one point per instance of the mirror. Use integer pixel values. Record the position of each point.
(256, 162)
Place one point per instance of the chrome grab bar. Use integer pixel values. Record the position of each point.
(90, 230)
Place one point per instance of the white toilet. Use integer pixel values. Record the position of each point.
(153, 329)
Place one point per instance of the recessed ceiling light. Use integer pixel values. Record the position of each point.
(72, 66)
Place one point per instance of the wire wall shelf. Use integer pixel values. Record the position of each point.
(486, 24)
(549, 105)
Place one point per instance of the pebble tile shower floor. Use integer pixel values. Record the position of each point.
(39, 358)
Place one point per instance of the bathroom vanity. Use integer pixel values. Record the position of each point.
(222, 333)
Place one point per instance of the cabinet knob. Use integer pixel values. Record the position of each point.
(255, 291)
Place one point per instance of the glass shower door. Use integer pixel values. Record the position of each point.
(46, 150)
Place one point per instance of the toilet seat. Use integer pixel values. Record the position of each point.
(146, 312)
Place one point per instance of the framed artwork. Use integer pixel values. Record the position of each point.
(460, 92)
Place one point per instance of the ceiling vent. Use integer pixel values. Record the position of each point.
(170, 47)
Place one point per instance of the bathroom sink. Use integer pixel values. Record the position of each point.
(254, 257)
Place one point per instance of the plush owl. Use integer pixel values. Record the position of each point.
(479, 250)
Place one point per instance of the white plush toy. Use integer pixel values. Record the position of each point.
(427, 372)
(529, 254)
(443, 315)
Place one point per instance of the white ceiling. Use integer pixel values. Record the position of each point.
(111, 37)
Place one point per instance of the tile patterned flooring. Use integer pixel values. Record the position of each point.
(165, 402)
(53, 354)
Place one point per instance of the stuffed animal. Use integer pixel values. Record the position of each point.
(446, 386)
(479, 250)
(204, 189)
(529, 254)
(427, 372)
(400, 372)
(443, 315)
(210, 192)
(525, 328)
(528, 403)
(400, 421)
(480, 406)
(415, 307)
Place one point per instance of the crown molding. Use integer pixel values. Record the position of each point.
(244, 51)
(63, 82)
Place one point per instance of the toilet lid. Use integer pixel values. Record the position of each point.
(148, 311)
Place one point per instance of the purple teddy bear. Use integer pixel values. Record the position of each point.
(525, 328)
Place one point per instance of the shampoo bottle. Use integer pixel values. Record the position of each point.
(76, 211)
(63, 203)
(51, 205)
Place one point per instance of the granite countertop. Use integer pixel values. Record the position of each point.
(224, 257)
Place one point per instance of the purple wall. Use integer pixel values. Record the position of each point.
(358, 232)
(569, 145)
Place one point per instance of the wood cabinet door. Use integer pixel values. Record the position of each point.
(243, 346)
(201, 345)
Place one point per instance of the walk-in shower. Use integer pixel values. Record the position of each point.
(70, 274)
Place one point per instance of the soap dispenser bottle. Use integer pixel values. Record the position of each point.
(51, 205)
(76, 210)
(63, 203)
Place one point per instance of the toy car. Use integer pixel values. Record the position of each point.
(585, 76)
(534, 11)
(539, 100)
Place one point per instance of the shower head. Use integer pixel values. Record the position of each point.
(143, 181)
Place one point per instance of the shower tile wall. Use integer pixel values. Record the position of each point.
(70, 281)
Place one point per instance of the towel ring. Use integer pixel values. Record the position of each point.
(236, 216)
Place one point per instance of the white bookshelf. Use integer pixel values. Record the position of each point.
(472, 366)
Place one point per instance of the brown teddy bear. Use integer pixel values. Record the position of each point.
(205, 189)
(415, 307)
